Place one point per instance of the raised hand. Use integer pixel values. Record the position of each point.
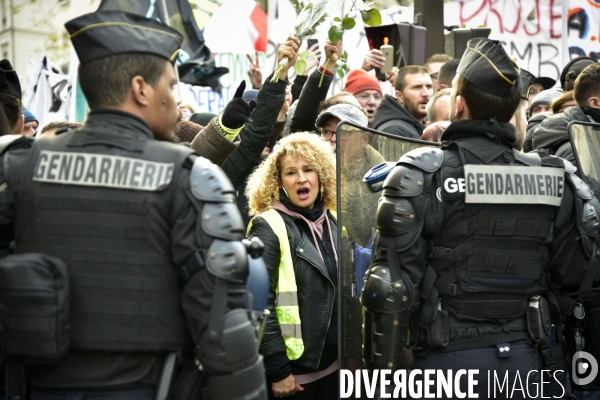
(238, 111)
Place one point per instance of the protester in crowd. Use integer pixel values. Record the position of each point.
(270, 106)
(541, 102)
(433, 65)
(312, 94)
(50, 130)
(572, 70)
(130, 214)
(354, 141)
(540, 83)
(367, 90)
(463, 259)
(551, 136)
(357, 157)
(447, 74)
(31, 124)
(291, 193)
(438, 107)
(563, 102)
(404, 115)
(11, 117)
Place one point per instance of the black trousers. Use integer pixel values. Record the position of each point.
(325, 388)
(130, 393)
(502, 374)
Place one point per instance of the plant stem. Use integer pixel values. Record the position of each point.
(324, 69)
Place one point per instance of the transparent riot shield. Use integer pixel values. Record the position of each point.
(585, 142)
(357, 207)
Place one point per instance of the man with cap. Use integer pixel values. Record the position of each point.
(357, 157)
(540, 83)
(31, 124)
(11, 122)
(149, 231)
(403, 116)
(463, 247)
(367, 90)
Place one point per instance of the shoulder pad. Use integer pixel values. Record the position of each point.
(582, 189)
(228, 261)
(591, 223)
(569, 167)
(531, 159)
(403, 181)
(429, 159)
(209, 183)
(223, 221)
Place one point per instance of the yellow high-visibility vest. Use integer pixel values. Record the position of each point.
(286, 292)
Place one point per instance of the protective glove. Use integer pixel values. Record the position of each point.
(238, 111)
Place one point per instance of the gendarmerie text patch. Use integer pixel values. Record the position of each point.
(508, 184)
(102, 170)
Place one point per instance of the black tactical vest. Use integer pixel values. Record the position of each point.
(100, 198)
(490, 257)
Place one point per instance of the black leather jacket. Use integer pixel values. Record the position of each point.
(316, 298)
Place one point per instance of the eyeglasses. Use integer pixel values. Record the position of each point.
(326, 134)
(366, 96)
(572, 75)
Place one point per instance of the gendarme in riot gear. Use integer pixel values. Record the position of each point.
(465, 237)
(149, 233)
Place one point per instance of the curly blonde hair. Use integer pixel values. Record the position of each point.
(264, 183)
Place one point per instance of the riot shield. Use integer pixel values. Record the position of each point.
(585, 143)
(357, 207)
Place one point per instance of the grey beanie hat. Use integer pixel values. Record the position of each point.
(545, 97)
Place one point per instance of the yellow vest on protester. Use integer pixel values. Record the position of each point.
(286, 291)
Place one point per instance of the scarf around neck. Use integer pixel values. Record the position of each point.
(315, 220)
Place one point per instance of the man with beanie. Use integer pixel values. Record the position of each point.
(541, 102)
(31, 124)
(367, 90)
(462, 252)
(403, 116)
(147, 233)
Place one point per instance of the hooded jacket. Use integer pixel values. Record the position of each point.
(392, 117)
(552, 136)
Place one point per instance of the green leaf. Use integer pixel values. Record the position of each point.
(304, 55)
(335, 33)
(340, 73)
(365, 15)
(374, 17)
(348, 23)
(345, 55)
(337, 19)
(300, 66)
(297, 6)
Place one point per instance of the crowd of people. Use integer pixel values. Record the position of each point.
(142, 228)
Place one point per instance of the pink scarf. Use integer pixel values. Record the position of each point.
(315, 226)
